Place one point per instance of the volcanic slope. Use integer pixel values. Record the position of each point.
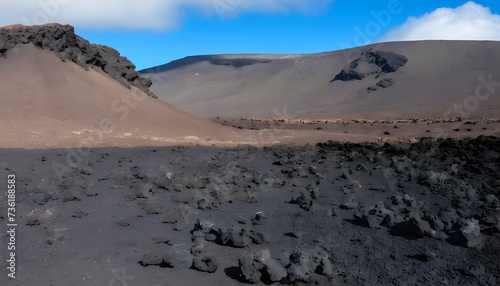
(47, 102)
(398, 80)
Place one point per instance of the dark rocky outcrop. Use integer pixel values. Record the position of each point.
(388, 61)
(385, 83)
(349, 75)
(62, 40)
(383, 62)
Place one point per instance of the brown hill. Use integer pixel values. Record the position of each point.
(47, 102)
(62, 40)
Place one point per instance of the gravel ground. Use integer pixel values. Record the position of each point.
(327, 214)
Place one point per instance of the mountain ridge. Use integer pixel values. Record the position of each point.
(435, 76)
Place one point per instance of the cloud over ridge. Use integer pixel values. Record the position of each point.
(139, 15)
(470, 21)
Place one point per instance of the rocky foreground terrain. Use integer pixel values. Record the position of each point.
(327, 214)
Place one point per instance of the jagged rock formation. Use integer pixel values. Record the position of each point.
(369, 63)
(387, 61)
(62, 40)
(349, 75)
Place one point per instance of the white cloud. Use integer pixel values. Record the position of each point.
(470, 21)
(134, 14)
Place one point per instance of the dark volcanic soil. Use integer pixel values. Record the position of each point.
(330, 214)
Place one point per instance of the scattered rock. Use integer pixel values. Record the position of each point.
(237, 237)
(32, 222)
(468, 236)
(151, 259)
(430, 256)
(427, 256)
(153, 208)
(205, 263)
(300, 268)
(178, 257)
(473, 270)
(385, 83)
(303, 200)
(123, 223)
(241, 219)
(80, 214)
(414, 228)
(161, 239)
(259, 218)
(260, 266)
(273, 269)
(257, 237)
(322, 263)
(250, 271)
(373, 221)
(296, 234)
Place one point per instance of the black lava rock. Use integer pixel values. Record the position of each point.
(62, 40)
(349, 75)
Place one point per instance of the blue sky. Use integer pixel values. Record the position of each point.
(161, 31)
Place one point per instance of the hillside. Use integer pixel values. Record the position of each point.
(49, 100)
(385, 81)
